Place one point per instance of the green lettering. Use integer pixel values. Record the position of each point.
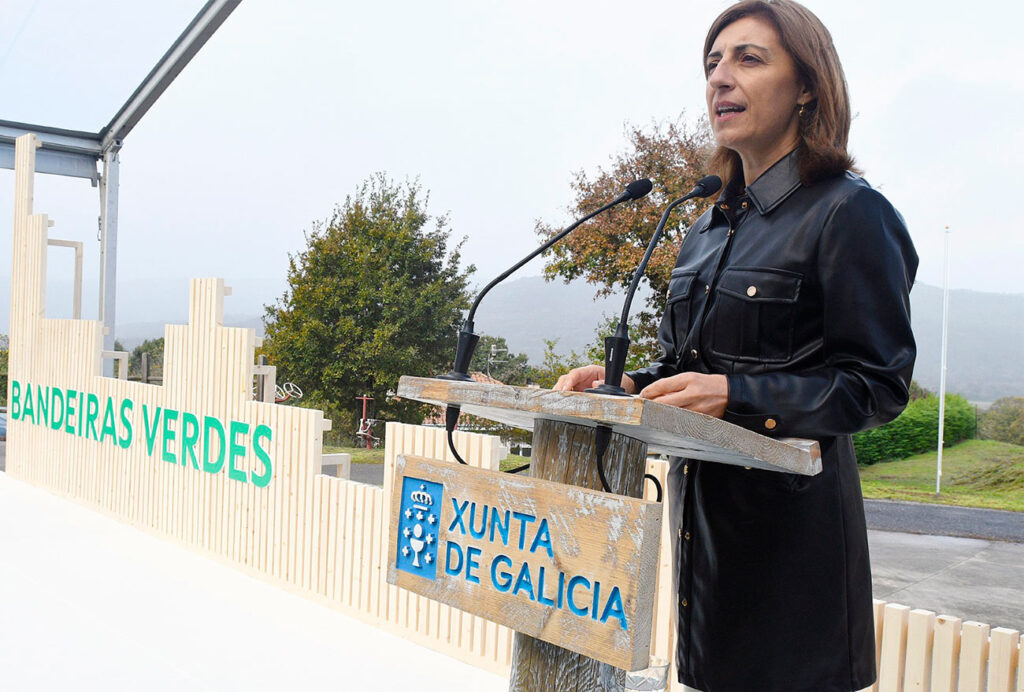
(43, 404)
(126, 423)
(15, 400)
(69, 411)
(212, 424)
(56, 397)
(150, 431)
(92, 410)
(170, 415)
(237, 451)
(189, 439)
(109, 421)
(81, 418)
(27, 409)
(262, 432)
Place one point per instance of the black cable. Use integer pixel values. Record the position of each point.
(602, 438)
(657, 485)
(451, 418)
(518, 469)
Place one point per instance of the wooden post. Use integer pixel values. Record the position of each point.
(261, 379)
(564, 452)
(144, 367)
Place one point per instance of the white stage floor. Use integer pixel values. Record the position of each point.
(89, 603)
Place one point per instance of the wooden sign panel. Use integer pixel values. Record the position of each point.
(572, 566)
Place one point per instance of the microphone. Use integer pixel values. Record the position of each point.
(468, 340)
(617, 347)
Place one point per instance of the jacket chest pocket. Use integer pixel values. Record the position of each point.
(680, 304)
(755, 313)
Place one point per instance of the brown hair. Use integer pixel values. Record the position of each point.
(825, 123)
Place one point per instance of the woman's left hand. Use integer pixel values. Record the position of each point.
(691, 390)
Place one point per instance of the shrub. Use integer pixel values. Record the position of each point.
(1004, 421)
(916, 430)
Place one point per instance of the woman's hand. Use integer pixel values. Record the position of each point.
(691, 390)
(586, 377)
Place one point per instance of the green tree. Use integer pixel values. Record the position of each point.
(554, 365)
(154, 348)
(492, 356)
(607, 250)
(640, 354)
(1004, 420)
(375, 295)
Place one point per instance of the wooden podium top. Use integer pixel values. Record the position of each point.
(665, 429)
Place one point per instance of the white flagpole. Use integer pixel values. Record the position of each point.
(942, 376)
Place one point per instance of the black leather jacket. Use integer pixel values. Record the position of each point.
(800, 296)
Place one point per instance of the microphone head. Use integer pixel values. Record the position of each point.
(639, 188)
(707, 186)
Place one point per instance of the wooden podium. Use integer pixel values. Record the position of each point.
(563, 425)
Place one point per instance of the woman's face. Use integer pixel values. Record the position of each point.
(753, 94)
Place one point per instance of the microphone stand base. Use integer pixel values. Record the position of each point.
(609, 389)
(456, 376)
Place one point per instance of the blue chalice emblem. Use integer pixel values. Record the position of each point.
(417, 526)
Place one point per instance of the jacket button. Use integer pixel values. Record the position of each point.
(686, 535)
(686, 469)
(693, 352)
(752, 291)
(744, 205)
(770, 424)
(707, 289)
(731, 232)
(684, 602)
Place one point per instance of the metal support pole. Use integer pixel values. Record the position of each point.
(942, 377)
(108, 249)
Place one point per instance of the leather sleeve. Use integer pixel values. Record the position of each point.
(866, 265)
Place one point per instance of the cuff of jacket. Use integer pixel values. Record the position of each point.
(740, 411)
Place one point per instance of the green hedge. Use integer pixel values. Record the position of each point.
(916, 430)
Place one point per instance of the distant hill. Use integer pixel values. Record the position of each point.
(985, 358)
(986, 332)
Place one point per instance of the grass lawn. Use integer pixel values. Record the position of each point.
(360, 455)
(975, 473)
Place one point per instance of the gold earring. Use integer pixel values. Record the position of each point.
(803, 109)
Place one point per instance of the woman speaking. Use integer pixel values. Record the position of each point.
(788, 314)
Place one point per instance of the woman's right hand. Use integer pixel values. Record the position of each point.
(588, 376)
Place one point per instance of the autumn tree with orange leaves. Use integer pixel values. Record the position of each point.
(606, 250)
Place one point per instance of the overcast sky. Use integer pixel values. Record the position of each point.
(492, 106)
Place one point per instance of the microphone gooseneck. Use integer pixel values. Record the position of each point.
(468, 340)
(616, 347)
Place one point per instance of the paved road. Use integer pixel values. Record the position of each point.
(943, 520)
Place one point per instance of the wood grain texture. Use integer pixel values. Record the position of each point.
(946, 654)
(1002, 660)
(665, 429)
(564, 452)
(973, 656)
(894, 647)
(606, 539)
(920, 635)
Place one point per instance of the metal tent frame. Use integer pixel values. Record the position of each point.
(77, 154)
